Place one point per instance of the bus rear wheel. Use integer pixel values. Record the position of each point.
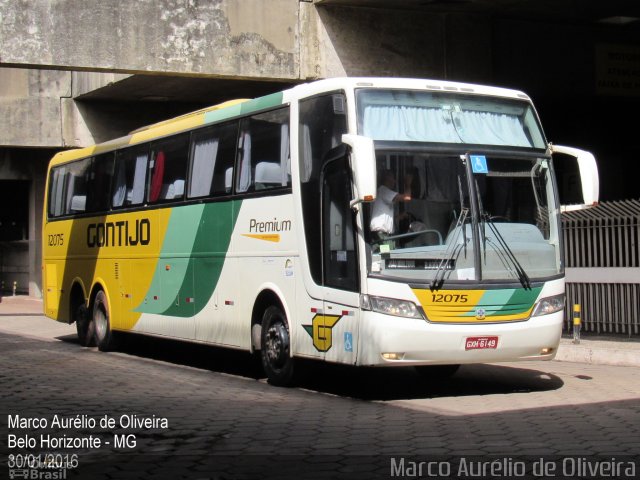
(102, 323)
(84, 326)
(276, 348)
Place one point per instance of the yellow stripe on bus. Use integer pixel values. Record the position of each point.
(269, 237)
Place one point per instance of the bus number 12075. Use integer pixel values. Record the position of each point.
(449, 298)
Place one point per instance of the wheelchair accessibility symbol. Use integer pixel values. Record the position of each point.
(479, 164)
(348, 342)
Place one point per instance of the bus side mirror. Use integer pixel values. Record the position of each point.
(363, 166)
(578, 181)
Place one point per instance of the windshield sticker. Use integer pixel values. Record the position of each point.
(479, 164)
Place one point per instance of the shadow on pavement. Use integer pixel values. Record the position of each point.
(364, 383)
(406, 383)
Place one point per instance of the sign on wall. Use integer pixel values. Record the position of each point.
(618, 70)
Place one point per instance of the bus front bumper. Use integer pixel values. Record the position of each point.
(396, 341)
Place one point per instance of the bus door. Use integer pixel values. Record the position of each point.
(337, 329)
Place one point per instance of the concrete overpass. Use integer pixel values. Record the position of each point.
(75, 72)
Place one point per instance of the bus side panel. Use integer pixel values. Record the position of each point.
(215, 277)
(61, 241)
(162, 300)
(178, 300)
(119, 251)
(264, 243)
(51, 290)
(217, 322)
(120, 299)
(309, 313)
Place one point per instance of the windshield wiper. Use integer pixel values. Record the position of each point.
(522, 275)
(508, 253)
(453, 250)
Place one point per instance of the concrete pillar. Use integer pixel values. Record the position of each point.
(21, 257)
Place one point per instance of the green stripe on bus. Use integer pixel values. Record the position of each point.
(192, 257)
(506, 301)
(172, 263)
(512, 301)
(222, 114)
(261, 103)
(245, 108)
(521, 301)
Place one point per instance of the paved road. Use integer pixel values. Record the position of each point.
(223, 421)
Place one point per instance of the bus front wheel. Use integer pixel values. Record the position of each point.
(102, 322)
(276, 347)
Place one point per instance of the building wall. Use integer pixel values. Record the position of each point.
(584, 79)
(349, 41)
(278, 39)
(237, 38)
(30, 103)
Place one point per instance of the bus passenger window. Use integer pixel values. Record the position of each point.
(212, 154)
(101, 175)
(81, 186)
(263, 154)
(129, 178)
(168, 168)
(56, 191)
(76, 187)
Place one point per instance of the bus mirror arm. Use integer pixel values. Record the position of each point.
(363, 168)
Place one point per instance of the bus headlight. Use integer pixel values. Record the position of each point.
(548, 305)
(390, 306)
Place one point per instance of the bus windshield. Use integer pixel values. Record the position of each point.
(437, 219)
(449, 118)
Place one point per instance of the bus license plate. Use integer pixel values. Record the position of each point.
(478, 343)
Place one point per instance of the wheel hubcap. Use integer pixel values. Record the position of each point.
(277, 345)
(101, 324)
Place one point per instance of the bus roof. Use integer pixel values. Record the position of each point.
(222, 111)
(234, 108)
(405, 83)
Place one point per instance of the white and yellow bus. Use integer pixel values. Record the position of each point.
(256, 225)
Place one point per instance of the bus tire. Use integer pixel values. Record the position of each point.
(101, 320)
(437, 372)
(84, 326)
(275, 349)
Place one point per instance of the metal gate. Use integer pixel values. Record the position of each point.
(602, 255)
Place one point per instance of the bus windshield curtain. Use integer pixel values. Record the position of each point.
(443, 125)
(156, 180)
